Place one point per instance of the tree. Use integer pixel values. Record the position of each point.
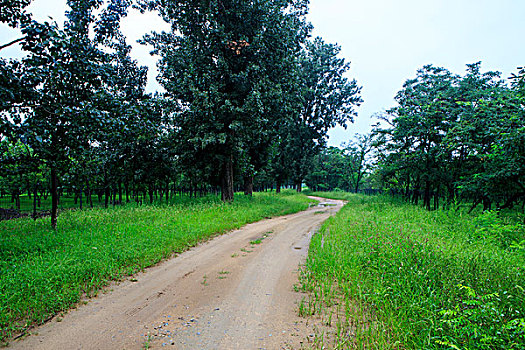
(455, 137)
(327, 99)
(418, 126)
(490, 133)
(327, 172)
(341, 168)
(356, 162)
(12, 12)
(62, 87)
(218, 67)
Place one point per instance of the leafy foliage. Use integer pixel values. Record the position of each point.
(478, 322)
(327, 99)
(460, 138)
(341, 169)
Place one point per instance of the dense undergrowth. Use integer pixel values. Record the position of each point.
(44, 272)
(395, 276)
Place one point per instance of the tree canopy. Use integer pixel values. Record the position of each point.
(457, 138)
(248, 95)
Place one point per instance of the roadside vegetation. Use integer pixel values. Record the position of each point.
(44, 272)
(248, 99)
(386, 274)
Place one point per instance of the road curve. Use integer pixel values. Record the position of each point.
(229, 293)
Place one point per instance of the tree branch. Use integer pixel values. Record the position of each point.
(11, 43)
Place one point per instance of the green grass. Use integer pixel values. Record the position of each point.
(43, 272)
(395, 276)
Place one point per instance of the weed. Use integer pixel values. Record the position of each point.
(147, 342)
(222, 274)
(479, 320)
(302, 308)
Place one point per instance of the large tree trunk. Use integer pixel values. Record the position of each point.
(54, 198)
(299, 186)
(17, 200)
(106, 195)
(248, 184)
(227, 181)
(89, 194)
(427, 195)
(509, 203)
(80, 190)
(358, 180)
(278, 185)
(126, 190)
(120, 201)
(151, 193)
(35, 199)
(487, 203)
(474, 205)
(436, 197)
(407, 188)
(415, 196)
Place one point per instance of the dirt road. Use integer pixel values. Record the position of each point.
(234, 292)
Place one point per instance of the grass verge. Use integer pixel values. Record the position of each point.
(44, 272)
(389, 275)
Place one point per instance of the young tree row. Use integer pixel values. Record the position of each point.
(248, 89)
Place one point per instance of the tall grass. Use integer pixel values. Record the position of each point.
(43, 272)
(407, 278)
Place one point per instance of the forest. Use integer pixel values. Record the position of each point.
(246, 102)
(450, 139)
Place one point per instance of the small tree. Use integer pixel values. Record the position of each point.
(328, 99)
(356, 162)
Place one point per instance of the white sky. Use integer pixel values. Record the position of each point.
(386, 41)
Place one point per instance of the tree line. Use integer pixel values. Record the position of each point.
(249, 98)
(347, 168)
(455, 139)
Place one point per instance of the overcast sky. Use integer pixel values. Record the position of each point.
(386, 41)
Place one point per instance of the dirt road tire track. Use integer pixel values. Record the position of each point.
(223, 294)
